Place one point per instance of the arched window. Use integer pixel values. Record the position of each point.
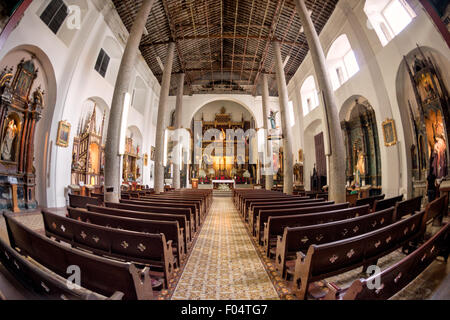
(308, 91)
(388, 17)
(341, 60)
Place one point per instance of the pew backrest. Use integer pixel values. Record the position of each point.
(370, 200)
(386, 203)
(76, 201)
(170, 229)
(399, 275)
(128, 279)
(437, 209)
(407, 207)
(44, 284)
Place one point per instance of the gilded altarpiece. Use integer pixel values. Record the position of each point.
(88, 158)
(20, 111)
(430, 118)
(131, 162)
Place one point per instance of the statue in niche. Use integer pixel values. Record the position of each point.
(273, 119)
(360, 169)
(7, 143)
(429, 90)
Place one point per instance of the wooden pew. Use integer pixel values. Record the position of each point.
(246, 202)
(397, 276)
(170, 229)
(100, 196)
(272, 203)
(275, 226)
(44, 285)
(437, 209)
(76, 201)
(250, 203)
(128, 280)
(264, 215)
(379, 205)
(328, 259)
(181, 219)
(407, 207)
(149, 249)
(158, 209)
(296, 239)
(295, 205)
(200, 201)
(352, 198)
(166, 204)
(370, 200)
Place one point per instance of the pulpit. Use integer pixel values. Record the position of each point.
(20, 111)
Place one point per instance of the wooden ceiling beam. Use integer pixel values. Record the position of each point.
(224, 36)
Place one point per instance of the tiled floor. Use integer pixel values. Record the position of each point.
(224, 263)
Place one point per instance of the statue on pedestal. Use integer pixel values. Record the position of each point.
(7, 143)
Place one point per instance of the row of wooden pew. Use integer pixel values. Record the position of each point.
(313, 239)
(123, 250)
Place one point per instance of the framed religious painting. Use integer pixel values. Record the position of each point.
(389, 133)
(62, 139)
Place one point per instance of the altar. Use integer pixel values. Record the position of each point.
(219, 182)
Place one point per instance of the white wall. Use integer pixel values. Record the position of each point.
(71, 57)
(375, 81)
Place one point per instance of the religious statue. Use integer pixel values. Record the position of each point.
(273, 119)
(360, 168)
(7, 143)
(429, 89)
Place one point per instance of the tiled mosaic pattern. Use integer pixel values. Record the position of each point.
(224, 263)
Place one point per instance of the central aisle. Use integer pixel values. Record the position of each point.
(224, 263)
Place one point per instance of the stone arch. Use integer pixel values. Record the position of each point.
(359, 128)
(222, 98)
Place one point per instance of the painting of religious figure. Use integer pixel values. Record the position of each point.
(439, 152)
(8, 142)
(390, 135)
(62, 139)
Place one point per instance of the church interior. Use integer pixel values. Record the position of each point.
(224, 150)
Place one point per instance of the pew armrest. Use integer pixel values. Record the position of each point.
(301, 256)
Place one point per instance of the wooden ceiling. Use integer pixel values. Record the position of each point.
(224, 46)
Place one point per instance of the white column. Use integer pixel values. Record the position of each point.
(288, 166)
(337, 190)
(112, 157)
(160, 126)
(265, 107)
(178, 115)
